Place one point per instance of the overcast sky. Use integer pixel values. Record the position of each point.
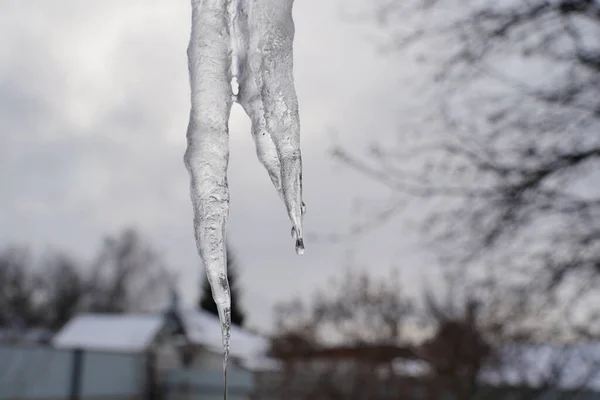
(94, 104)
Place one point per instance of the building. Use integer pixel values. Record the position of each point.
(176, 354)
(178, 338)
(385, 372)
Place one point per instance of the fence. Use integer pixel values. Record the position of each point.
(207, 385)
(29, 372)
(39, 372)
(46, 373)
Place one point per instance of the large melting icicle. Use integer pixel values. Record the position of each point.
(250, 99)
(265, 32)
(207, 154)
(251, 41)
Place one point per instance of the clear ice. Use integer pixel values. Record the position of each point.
(240, 50)
(264, 35)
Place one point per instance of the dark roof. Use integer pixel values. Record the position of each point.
(368, 353)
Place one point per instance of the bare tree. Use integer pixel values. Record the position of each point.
(342, 344)
(350, 342)
(488, 346)
(355, 309)
(62, 288)
(127, 275)
(509, 157)
(18, 286)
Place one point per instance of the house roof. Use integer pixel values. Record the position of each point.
(204, 329)
(110, 332)
(135, 333)
(368, 353)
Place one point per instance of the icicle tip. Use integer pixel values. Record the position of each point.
(300, 246)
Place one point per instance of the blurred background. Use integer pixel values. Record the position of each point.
(451, 155)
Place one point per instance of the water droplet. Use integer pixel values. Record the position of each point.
(235, 87)
(299, 247)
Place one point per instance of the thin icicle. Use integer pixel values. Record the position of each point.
(207, 154)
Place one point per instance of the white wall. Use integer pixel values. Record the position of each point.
(206, 359)
(167, 356)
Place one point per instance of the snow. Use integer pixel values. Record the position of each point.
(135, 333)
(572, 366)
(110, 332)
(203, 329)
(414, 368)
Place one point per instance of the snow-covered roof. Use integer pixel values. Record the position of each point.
(573, 366)
(135, 333)
(110, 332)
(204, 329)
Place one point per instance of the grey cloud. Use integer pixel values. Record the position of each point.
(90, 144)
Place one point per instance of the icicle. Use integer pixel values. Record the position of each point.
(207, 153)
(267, 93)
(240, 50)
